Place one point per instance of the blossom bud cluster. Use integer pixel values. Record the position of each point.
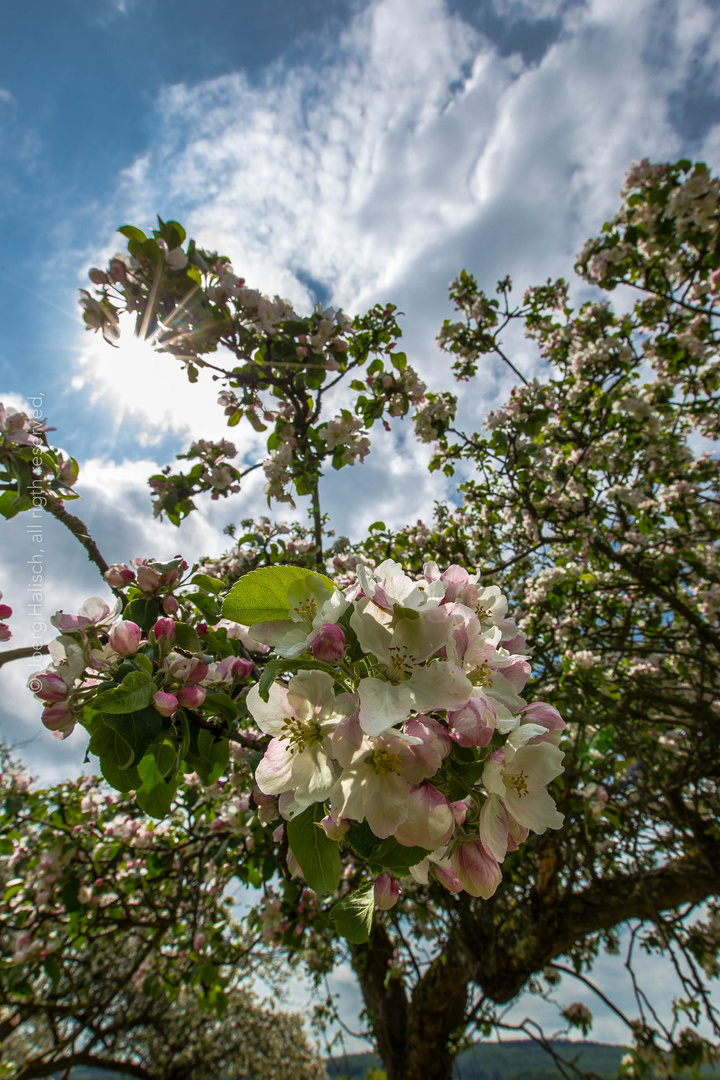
(5, 613)
(97, 645)
(429, 740)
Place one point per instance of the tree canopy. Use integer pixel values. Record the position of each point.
(388, 711)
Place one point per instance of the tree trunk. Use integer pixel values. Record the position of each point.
(414, 1037)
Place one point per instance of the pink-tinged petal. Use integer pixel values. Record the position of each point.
(347, 738)
(474, 724)
(383, 704)
(476, 870)
(69, 624)
(386, 804)
(494, 830)
(270, 715)
(439, 685)
(274, 773)
(492, 777)
(516, 671)
(447, 878)
(429, 823)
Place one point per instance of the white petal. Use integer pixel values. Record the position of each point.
(383, 704)
(439, 685)
(270, 715)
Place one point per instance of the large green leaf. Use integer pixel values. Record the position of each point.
(115, 754)
(262, 595)
(157, 791)
(134, 692)
(353, 915)
(144, 611)
(138, 729)
(317, 854)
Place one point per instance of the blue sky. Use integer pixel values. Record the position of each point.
(347, 151)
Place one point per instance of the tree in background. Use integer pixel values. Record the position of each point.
(118, 946)
(399, 771)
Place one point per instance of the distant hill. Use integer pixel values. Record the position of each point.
(517, 1059)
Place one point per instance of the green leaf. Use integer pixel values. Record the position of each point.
(132, 233)
(209, 584)
(187, 638)
(138, 729)
(220, 704)
(262, 595)
(353, 915)
(206, 755)
(12, 504)
(208, 605)
(393, 856)
(156, 793)
(317, 854)
(134, 692)
(144, 611)
(115, 754)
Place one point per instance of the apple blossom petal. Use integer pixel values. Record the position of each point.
(274, 774)
(385, 804)
(494, 827)
(270, 715)
(439, 685)
(383, 704)
(312, 776)
(534, 809)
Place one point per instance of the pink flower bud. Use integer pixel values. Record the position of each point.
(335, 828)
(58, 719)
(476, 870)
(328, 643)
(202, 629)
(386, 892)
(164, 628)
(242, 668)
(339, 345)
(5, 611)
(118, 575)
(170, 605)
(125, 638)
(5, 632)
(166, 704)
(147, 578)
(191, 697)
(199, 940)
(48, 687)
(186, 668)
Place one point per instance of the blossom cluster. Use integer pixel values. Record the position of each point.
(32, 473)
(429, 741)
